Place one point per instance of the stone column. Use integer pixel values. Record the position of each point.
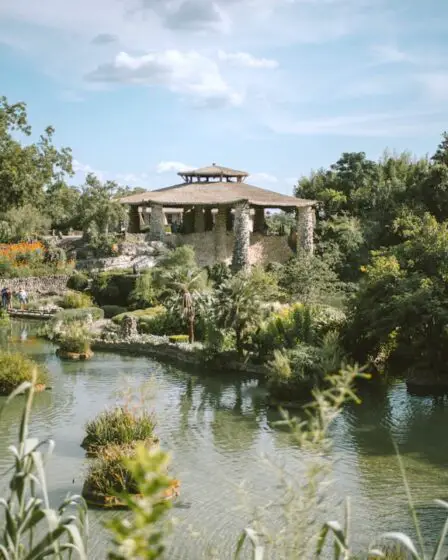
(134, 220)
(305, 229)
(199, 222)
(259, 220)
(157, 227)
(221, 235)
(240, 258)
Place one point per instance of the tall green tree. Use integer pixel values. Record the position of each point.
(27, 170)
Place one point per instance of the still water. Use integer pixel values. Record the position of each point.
(226, 452)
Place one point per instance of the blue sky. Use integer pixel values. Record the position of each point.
(142, 88)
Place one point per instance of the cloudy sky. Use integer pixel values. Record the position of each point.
(142, 88)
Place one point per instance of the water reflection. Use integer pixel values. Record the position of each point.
(217, 427)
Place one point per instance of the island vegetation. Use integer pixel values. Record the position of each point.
(373, 292)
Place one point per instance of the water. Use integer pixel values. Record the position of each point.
(226, 452)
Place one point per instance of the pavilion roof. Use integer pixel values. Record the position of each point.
(214, 171)
(216, 193)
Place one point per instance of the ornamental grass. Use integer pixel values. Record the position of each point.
(16, 369)
(119, 426)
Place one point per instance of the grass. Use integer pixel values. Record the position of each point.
(69, 315)
(108, 474)
(75, 300)
(75, 339)
(118, 426)
(16, 369)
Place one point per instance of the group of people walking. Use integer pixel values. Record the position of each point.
(7, 294)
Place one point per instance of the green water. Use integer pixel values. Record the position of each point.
(226, 452)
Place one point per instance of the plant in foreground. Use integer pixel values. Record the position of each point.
(33, 530)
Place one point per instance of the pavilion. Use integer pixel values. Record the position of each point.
(217, 199)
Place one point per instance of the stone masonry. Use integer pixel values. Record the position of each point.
(46, 285)
(305, 229)
(240, 259)
(157, 223)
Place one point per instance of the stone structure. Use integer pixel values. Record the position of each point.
(45, 285)
(129, 327)
(208, 196)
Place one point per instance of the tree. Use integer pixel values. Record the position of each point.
(27, 170)
(99, 205)
(24, 224)
(62, 206)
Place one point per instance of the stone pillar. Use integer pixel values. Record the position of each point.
(305, 229)
(258, 220)
(199, 222)
(221, 235)
(157, 227)
(134, 220)
(240, 258)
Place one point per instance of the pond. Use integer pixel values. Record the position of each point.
(225, 450)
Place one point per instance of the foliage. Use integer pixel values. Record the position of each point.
(218, 273)
(107, 474)
(26, 259)
(403, 299)
(142, 535)
(75, 300)
(182, 257)
(16, 369)
(281, 223)
(310, 279)
(32, 529)
(111, 311)
(144, 293)
(178, 338)
(69, 315)
(24, 223)
(119, 426)
(79, 282)
(62, 207)
(75, 338)
(113, 288)
(4, 318)
(98, 206)
(27, 170)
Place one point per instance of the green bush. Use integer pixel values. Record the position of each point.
(178, 338)
(144, 294)
(75, 300)
(15, 369)
(111, 311)
(108, 474)
(4, 318)
(113, 288)
(118, 426)
(147, 313)
(69, 315)
(75, 339)
(78, 282)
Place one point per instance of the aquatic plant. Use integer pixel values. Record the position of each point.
(108, 475)
(75, 300)
(33, 530)
(16, 369)
(119, 426)
(75, 338)
(4, 318)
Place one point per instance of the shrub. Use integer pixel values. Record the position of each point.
(113, 288)
(78, 282)
(75, 300)
(108, 474)
(4, 318)
(147, 313)
(143, 295)
(118, 426)
(69, 315)
(15, 369)
(178, 338)
(75, 339)
(111, 311)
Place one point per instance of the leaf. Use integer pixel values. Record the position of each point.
(404, 540)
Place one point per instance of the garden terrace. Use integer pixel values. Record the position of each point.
(218, 200)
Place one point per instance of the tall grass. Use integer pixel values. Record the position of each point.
(119, 426)
(32, 529)
(16, 369)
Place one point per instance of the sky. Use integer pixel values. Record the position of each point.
(140, 89)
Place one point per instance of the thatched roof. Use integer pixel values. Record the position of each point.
(214, 171)
(213, 194)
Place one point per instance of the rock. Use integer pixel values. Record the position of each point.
(129, 327)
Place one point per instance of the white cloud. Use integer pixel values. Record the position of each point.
(247, 60)
(364, 124)
(172, 166)
(83, 169)
(388, 54)
(188, 73)
(435, 85)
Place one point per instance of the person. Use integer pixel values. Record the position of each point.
(23, 298)
(4, 298)
(8, 298)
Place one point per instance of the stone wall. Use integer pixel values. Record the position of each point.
(262, 250)
(35, 285)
